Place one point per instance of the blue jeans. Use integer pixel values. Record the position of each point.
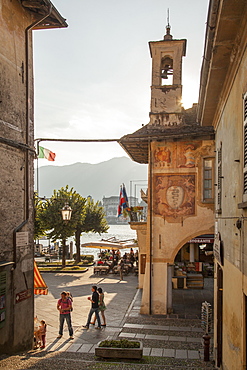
(91, 312)
(67, 317)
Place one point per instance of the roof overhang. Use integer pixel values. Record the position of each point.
(40, 8)
(136, 145)
(163, 42)
(224, 23)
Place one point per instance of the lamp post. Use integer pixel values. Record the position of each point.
(66, 215)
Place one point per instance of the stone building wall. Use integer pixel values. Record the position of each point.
(16, 256)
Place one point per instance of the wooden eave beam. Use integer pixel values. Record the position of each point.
(55, 20)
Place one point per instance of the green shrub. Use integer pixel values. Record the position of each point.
(122, 343)
(89, 257)
(85, 257)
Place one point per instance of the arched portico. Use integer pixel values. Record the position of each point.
(190, 237)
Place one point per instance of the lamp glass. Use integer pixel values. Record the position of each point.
(66, 212)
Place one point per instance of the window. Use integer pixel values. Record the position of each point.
(245, 148)
(208, 179)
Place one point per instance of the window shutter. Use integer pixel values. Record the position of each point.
(245, 144)
(219, 178)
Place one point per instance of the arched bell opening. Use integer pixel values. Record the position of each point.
(166, 71)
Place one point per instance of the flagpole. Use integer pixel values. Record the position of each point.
(37, 171)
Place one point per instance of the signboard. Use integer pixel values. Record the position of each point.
(218, 248)
(202, 240)
(21, 296)
(21, 238)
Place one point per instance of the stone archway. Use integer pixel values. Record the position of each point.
(192, 279)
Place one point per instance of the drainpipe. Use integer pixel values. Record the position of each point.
(27, 56)
(150, 227)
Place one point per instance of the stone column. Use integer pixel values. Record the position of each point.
(169, 288)
(192, 252)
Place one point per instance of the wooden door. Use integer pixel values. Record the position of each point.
(219, 314)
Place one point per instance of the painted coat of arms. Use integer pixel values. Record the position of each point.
(174, 195)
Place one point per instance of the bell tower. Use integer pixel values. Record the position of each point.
(166, 88)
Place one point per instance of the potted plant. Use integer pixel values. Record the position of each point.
(134, 213)
(121, 348)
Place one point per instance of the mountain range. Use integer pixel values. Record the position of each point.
(97, 180)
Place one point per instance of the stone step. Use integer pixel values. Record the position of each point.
(164, 328)
(166, 338)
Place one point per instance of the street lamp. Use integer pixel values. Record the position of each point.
(66, 212)
(66, 215)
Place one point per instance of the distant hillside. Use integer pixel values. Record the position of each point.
(97, 180)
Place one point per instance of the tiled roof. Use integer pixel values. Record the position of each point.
(136, 144)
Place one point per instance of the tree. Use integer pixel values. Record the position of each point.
(39, 227)
(94, 220)
(51, 217)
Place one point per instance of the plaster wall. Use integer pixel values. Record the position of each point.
(16, 332)
(229, 134)
(233, 318)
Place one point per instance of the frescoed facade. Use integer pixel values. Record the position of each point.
(180, 154)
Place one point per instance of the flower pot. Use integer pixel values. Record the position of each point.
(112, 352)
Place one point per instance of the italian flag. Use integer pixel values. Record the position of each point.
(46, 153)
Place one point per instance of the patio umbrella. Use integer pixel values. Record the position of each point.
(108, 245)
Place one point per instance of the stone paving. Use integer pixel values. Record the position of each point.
(118, 297)
(123, 302)
(170, 342)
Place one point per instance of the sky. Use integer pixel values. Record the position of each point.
(92, 79)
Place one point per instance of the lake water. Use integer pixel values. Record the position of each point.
(120, 232)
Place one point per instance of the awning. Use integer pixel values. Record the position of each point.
(40, 286)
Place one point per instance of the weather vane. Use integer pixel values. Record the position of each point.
(168, 36)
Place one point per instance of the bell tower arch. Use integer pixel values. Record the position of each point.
(166, 88)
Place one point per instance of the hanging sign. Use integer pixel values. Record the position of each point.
(21, 296)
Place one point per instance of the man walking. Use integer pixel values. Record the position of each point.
(120, 269)
(94, 309)
(64, 306)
